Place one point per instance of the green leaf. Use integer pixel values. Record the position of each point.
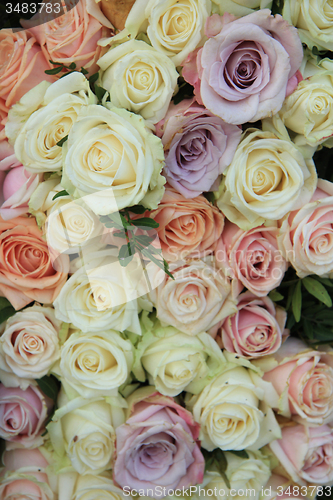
(124, 221)
(99, 92)
(72, 65)
(221, 464)
(296, 302)
(56, 63)
(145, 222)
(84, 71)
(324, 281)
(49, 385)
(317, 290)
(61, 193)
(62, 141)
(240, 453)
(126, 251)
(93, 78)
(144, 240)
(53, 71)
(275, 296)
(138, 209)
(6, 309)
(308, 328)
(290, 295)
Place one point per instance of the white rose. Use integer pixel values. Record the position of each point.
(196, 300)
(139, 78)
(36, 142)
(95, 364)
(99, 296)
(239, 8)
(308, 111)
(234, 410)
(113, 159)
(313, 18)
(29, 346)
(42, 200)
(72, 486)
(266, 179)
(70, 225)
(82, 433)
(176, 361)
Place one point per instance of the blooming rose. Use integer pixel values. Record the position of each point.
(267, 178)
(234, 410)
(26, 272)
(176, 361)
(252, 257)
(306, 453)
(99, 296)
(313, 19)
(82, 433)
(187, 227)
(303, 379)
(95, 364)
(139, 78)
(29, 345)
(306, 235)
(114, 158)
(41, 201)
(72, 486)
(308, 111)
(23, 415)
(17, 188)
(244, 70)
(157, 445)
(43, 117)
(196, 300)
(71, 38)
(8, 159)
(255, 330)
(198, 147)
(22, 64)
(239, 7)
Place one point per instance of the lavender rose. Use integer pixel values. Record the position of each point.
(242, 71)
(157, 445)
(198, 147)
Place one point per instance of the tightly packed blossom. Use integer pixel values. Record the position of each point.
(166, 251)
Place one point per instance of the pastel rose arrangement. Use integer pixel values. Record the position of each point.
(160, 259)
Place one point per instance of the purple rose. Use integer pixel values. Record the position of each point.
(198, 147)
(242, 72)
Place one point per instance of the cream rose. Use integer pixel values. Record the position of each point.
(196, 300)
(313, 19)
(72, 486)
(41, 200)
(308, 111)
(114, 158)
(176, 361)
(82, 433)
(29, 346)
(266, 179)
(43, 117)
(139, 78)
(235, 410)
(95, 364)
(239, 7)
(99, 296)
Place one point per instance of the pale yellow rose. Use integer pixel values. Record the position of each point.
(239, 8)
(73, 486)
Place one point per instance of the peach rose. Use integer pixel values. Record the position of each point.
(306, 235)
(25, 477)
(306, 453)
(255, 330)
(23, 415)
(72, 37)
(22, 66)
(303, 379)
(26, 272)
(187, 227)
(252, 257)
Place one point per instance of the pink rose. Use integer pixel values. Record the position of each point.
(306, 235)
(158, 445)
(303, 378)
(24, 476)
(244, 70)
(23, 415)
(198, 147)
(281, 488)
(255, 330)
(22, 66)
(306, 453)
(71, 38)
(187, 227)
(252, 257)
(26, 272)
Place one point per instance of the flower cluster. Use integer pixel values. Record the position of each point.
(166, 251)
